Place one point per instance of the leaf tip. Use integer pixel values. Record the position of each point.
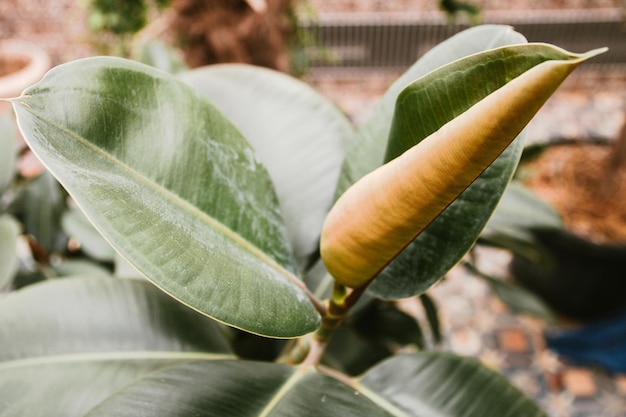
(593, 53)
(17, 101)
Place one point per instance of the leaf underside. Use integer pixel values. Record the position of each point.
(422, 108)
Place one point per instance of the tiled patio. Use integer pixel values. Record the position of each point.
(477, 324)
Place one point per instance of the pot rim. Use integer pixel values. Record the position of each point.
(12, 85)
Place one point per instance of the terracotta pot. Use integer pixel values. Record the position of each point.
(31, 63)
(578, 278)
(23, 64)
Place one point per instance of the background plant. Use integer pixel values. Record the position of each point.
(221, 206)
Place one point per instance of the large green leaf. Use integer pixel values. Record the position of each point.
(299, 136)
(437, 384)
(68, 387)
(76, 225)
(173, 186)
(424, 107)
(103, 346)
(8, 144)
(216, 389)
(65, 345)
(519, 300)
(39, 206)
(421, 385)
(103, 316)
(518, 212)
(9, 232)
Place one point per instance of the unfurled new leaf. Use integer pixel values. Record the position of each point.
(381, 214)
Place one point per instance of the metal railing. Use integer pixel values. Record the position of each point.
(395, 41)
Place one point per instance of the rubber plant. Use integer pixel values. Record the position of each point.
(217, 187)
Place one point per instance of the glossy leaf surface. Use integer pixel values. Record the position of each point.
(103, 316)
(298, 135)
(438, 384)
(9, 232)
(520, 300)
(173, 186)
(434, 385)
(76, 225)
(518, 212)
(66, 345)
(8, 156)
(104, 346)
(215, 389)
(40, 206)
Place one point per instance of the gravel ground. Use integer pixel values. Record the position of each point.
(591, 103)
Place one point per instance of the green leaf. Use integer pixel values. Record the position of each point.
(173, 186)
(103, 346)
(427, 384)
(441, 384)
(67, 344)
(9, 232)
(79, 267)
(298, 135)
(103, 316)
(216, 389)
(432, 316)
(158, 55)
(8, 156)
(69, 388)
(39, 206)
(78, 226)
(517, 298)
(519, 211)
(422, 109)
(368, 153)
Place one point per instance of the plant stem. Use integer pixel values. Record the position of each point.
(316, 351)
(296, 351)
(336, 310)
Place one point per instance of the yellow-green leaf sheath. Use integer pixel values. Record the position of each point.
(384, 211)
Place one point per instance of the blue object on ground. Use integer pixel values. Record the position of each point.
(600, 343)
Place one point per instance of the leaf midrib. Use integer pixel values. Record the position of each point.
(177, 200)
(114, 356)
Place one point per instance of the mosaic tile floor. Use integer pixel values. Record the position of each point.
(477, 324)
